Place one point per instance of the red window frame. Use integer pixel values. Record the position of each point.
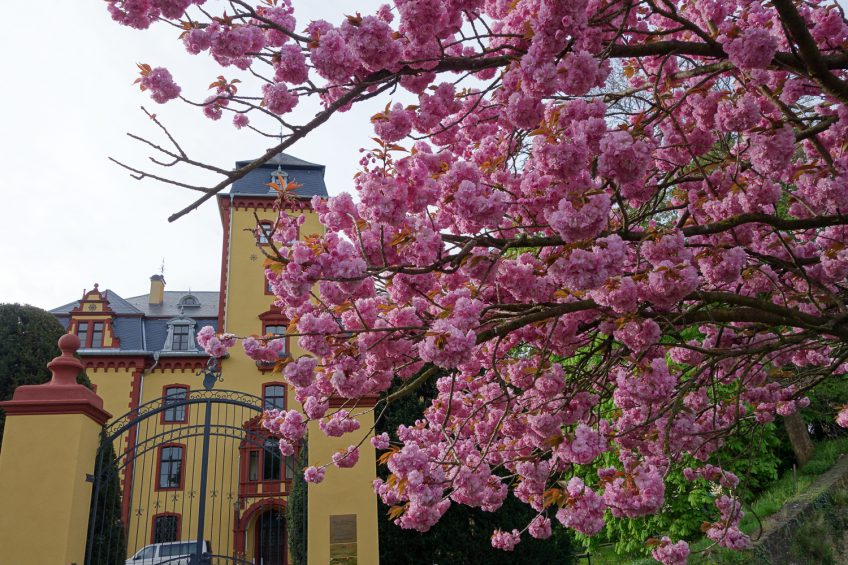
(285, 393)
(165, 388)
(94, 324)
(158, 487)
(88, 342)
(162, 515)
(250, 487)
(79, 324)
(279, 322)
(261, 232)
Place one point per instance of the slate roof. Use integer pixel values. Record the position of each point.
(142, 327)
(118, 305)
(170, 304)
(255, 183)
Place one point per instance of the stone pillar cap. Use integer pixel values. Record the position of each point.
(62, 394)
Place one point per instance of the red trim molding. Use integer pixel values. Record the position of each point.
(129, 439)
(224, 208)
(137, 363)
(46, 406)
(88, 298)
(182, 363)
(274, 316)
(271, 202)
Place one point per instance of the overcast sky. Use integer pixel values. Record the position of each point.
(70, 217)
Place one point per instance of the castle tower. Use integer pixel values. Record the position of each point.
(342, 511)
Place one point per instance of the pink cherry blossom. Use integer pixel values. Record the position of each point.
(345, 458)
(380, 441)
(669, 553)
(566, 214)
(278, 98)
(396, 124)
(505, 540)
(842, 418)
(314, 474)
(754, 48)
(160, 84)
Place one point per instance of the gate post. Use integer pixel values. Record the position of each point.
(51, 439)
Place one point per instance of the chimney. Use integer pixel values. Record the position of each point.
(157, 290)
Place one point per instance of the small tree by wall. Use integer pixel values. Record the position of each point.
(296, 511)
(108, 544)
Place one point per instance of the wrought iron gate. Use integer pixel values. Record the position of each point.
(189, 479)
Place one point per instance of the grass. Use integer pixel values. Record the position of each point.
(790, 485)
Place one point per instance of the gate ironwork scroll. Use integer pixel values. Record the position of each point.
(189, 479)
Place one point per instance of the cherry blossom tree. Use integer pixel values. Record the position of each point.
(605, 227)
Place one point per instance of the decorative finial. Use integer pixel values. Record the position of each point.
(162, 268)
(66, 367)
(96, 286)
(68, 344)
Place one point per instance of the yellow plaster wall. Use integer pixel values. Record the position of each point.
(59, 449)
(246, 297)
(343, 491)
(153, 382)
(114, 387)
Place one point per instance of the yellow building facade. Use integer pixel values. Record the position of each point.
(184, 458)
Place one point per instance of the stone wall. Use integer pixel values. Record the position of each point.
(812, 528)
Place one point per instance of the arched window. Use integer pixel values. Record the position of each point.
(189, 301)
(166, 528)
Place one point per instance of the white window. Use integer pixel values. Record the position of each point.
(263, 233)
(180, 335)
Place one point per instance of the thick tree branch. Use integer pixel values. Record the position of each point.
(798, 33)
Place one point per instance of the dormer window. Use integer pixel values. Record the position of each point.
(180, 335)
(278, 177)
(189, 301)
(97, 334)
(181, 338)
(90, 334)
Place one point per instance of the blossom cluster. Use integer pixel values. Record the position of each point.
(599, 233)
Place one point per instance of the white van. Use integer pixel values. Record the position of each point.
(172, 553)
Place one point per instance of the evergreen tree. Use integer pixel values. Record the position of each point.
(108, 544)
(28, 337)
(296, 511)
